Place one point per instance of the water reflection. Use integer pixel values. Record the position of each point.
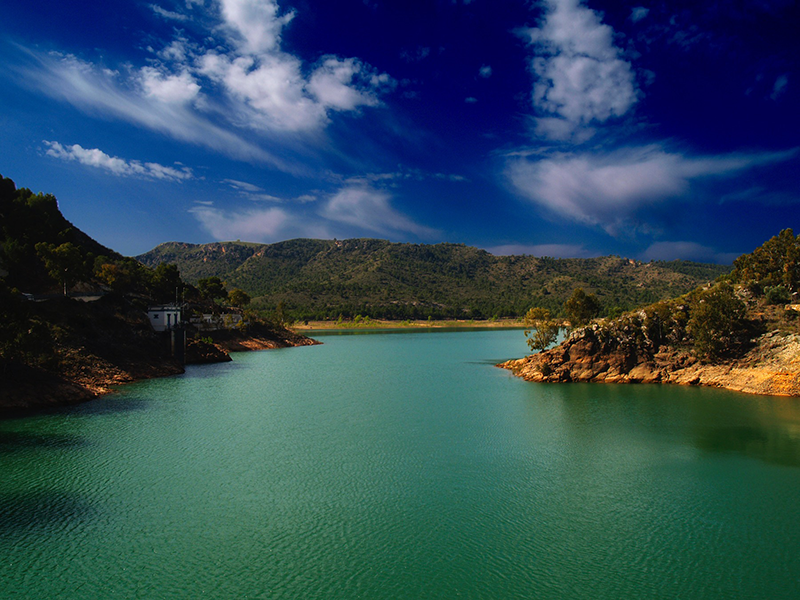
(42, 510)
(21, 441)
(712, 421)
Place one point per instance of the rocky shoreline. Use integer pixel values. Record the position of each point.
(771, 366)
(87, 376)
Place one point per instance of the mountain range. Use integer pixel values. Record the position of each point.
(324, 279)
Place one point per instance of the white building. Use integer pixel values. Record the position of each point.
(164, 318)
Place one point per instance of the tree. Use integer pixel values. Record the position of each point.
(717, 322)
(775, 262)
(166, 282)
(238, 298)
(212, 288)
(540, 330)
(64, 263)
(581, 307)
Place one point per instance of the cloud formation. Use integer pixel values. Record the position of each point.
(255, 225)
(606, 189)
(355, 208)
(367, 208)
(103, 92)
(167, 14)
(211, 90)
(117, 166)
(638, 13)
(581, 78)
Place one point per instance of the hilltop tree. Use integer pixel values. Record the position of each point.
(581, 307)
(540, 330)
(212, 288)
(717, 322)
(775, 262)
(238, 298)
(165, 282)
(64, 263)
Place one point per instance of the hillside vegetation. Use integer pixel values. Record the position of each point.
(742, 333)
(321, 279)
(72, 312)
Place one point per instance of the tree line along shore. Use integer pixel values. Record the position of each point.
(73, 320)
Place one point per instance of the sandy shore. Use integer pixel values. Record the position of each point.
(409, 324)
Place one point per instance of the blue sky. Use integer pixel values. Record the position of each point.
(653, 130)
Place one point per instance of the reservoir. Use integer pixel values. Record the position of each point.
(401, 466)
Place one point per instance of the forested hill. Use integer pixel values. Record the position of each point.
(317, 279)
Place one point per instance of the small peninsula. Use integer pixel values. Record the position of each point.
(740, 333)
(74, 315)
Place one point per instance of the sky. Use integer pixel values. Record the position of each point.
(652, 130)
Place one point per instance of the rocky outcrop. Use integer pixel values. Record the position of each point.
(259, 336)
(597, 354)
(202, 352)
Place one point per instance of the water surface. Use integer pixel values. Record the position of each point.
(401, 466)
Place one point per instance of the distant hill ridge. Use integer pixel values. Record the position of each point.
(318, 279)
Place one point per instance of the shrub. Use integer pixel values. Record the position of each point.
(777, 294)
(717, 322)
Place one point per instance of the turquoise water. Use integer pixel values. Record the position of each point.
(401, 466)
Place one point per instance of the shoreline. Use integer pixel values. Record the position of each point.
(407, 324)
(31, 390)
(770, 368)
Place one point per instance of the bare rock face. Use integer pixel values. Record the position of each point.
(595, 354)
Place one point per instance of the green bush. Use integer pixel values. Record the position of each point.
(717, 322)
(777, 294)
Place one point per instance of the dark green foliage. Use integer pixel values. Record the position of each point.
(581, 307)
(776, 262)
(320, 279)
(165, 283)
(24, 336)
(777, 294)
(212, 288)
(238, 298)
(717, 322)
(65, 263)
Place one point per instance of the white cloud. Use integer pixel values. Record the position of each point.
(581, 77)
(367, 208)
(254, 225)
(345, 84)
(167, 14)
(687, 251)
(638, 13)
(606, 190)
(258, 194)
(485, 71)
(471, 100)
(553, 250)
(272, 87)
(175, 50)
(268, 86)
(243, 186)
(168, 88)
(117, 166)
(99, 91)
(254, 25)
(204, 91)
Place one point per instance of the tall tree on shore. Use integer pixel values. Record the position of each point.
(581, 307)
(540, 330)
